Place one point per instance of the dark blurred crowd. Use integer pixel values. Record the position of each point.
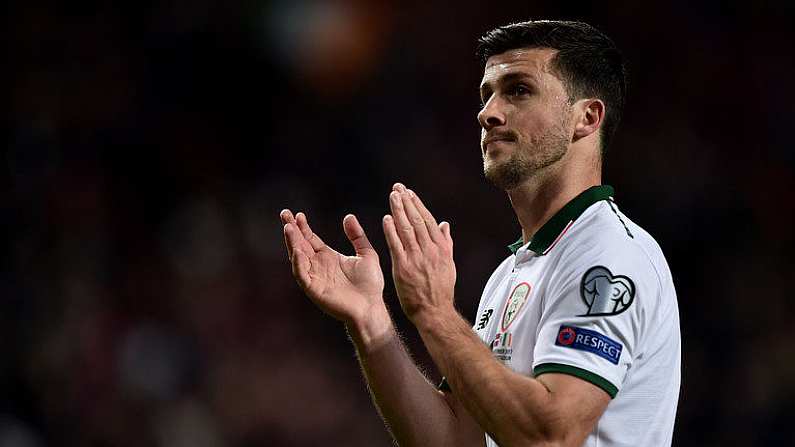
(145, 296)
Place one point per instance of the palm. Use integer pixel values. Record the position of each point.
(343, 286)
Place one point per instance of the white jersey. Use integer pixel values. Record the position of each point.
(591, 295)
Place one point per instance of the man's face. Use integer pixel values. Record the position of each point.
(525, 118)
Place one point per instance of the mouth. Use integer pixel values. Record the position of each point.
(496, 139)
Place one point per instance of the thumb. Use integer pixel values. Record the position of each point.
(355, 233)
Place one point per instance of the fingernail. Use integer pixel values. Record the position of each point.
(411, 193)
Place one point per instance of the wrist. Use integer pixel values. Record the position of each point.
(434, 318)
(372, 329)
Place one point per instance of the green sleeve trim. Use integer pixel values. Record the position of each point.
(444, 386)
(577, 372)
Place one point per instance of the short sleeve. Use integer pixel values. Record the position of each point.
(592, 317)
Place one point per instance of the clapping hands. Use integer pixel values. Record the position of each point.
(349, 287)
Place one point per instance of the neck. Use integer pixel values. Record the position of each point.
(538, 199)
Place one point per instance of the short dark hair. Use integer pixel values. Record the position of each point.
(587, 62)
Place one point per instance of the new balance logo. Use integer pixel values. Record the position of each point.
(484, 318)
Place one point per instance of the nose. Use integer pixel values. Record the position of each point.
(491, 115)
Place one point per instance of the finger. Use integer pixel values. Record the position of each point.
(299, 260)
(296, 241)
(301, 265)
(287, 216)
(313, 239)
(430, 221)
(396, 250)
(417, 222)
(402, 224)
(355, 233)
(444, 227)
(399, 187)
(287, 243)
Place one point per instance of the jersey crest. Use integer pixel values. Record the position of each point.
(515, 304)
(605, 293)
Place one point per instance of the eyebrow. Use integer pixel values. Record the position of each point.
(505, 79)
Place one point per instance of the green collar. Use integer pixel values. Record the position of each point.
(552, 229)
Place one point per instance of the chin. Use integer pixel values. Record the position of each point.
(505, 176)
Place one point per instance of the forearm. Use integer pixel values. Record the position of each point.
(415, 412)
(513, 408)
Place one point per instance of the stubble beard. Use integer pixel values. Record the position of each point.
(527, 160)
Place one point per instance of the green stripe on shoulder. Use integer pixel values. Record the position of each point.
(588, 376)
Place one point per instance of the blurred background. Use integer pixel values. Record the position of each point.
(145, 296)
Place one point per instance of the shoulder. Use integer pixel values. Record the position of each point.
(604, 242)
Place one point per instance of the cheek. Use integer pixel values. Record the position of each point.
(538, 119)
(529, 122)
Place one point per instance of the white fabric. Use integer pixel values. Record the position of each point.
(647, 373)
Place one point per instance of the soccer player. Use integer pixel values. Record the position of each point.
(576, 340)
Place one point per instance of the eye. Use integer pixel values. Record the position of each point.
(519, 90)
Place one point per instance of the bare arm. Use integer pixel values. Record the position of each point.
(554, 409)
(416, 413)
(350, 289)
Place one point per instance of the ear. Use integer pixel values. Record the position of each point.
(591, 114)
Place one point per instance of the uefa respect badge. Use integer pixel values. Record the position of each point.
(590, 341)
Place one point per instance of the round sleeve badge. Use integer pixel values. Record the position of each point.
(605, 293)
